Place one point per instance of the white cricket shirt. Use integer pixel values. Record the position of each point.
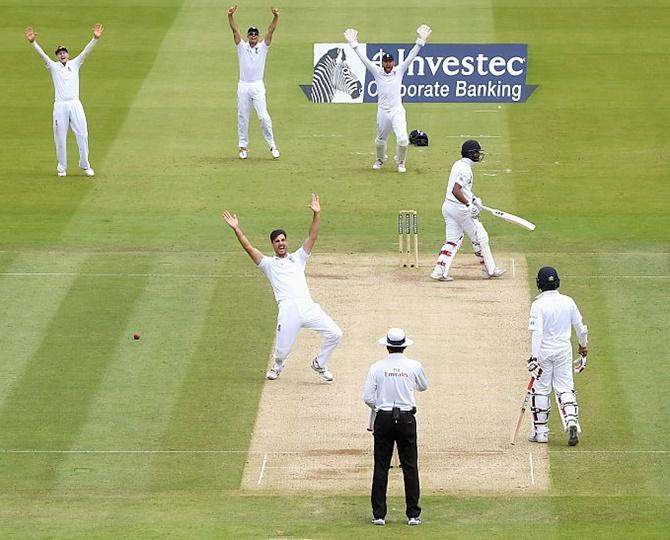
(552, 317)
(461, 174)
(252, 60)
(389, 84)
(392, 381)
(287, 276)
(65, 76)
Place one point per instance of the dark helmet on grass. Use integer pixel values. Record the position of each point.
(471, 149)
(547, 279)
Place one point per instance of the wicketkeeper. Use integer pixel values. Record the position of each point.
(391, 115)
(552, 317)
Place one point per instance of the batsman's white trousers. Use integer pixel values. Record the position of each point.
(556, 372)
(394, 120)
(296, 315)
(457, 220)
(70, 113)
(252, 94)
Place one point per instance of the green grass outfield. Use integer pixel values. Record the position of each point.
(142, 247)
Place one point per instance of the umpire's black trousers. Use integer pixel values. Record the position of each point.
(402, 432)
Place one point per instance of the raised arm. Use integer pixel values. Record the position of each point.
(272, 27)
(31, 36)
(314, 227)
(98, 29)
(233, 24)
(423, 32)
(351, 36)
(234, 223)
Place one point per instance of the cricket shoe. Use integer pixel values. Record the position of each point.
(61, 173)
(275, 153)
(542, 438)
(322, 371)
(439, 276)
(401, 167)
(89, 172)
(243, 154)
(414, 521)
(274, 371)
(378, 521)
(377, 164)
(496, 273)
(573, 436)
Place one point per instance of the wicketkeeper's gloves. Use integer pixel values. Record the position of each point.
(351, 35)
(423, 31)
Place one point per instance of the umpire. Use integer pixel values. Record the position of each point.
(389, 392)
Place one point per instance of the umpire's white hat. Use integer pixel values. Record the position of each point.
(395, 338)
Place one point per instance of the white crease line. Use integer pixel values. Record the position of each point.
(513, 268)
(532, 470)
(294, 453)
(260, 476)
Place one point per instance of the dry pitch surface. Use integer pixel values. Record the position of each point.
(470, 335)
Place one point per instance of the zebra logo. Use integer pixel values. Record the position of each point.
(332, 73)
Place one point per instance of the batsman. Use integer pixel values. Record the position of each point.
(552, 317)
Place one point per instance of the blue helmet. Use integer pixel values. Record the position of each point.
(547, 279)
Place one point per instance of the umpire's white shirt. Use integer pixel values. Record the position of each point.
(391, 383)
(287, 276)
(252, 60)
(552, 317)
(461, 174)
(65, 76)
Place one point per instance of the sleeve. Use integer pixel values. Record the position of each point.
(47, 61)
(369, 65)
(580, 328)
(402, 67)
(265, 265)
(370, 391)
(535, 327)
(79, 59)
(421, 381)
(462, 175)
(302, 255)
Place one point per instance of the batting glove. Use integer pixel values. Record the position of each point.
(534, 368)
(423, 31)
(474, 211)
(477, 201)
(580, 364)
(351, 35)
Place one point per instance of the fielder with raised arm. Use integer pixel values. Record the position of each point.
(391, 115)
(552, 317)
(461, 209)
(251, 89)
(286, 273)
(68, 110)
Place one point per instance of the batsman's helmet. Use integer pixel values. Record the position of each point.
(547, 279)
(471, 149)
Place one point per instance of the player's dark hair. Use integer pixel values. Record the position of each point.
(274, 234)
(395, 349)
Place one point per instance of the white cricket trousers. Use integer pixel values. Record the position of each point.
(70, 113)
(394, 120)
(296, 315)
(252, 94)
(556, 372)
(457, 220)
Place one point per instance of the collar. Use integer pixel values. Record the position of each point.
(545, 293)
